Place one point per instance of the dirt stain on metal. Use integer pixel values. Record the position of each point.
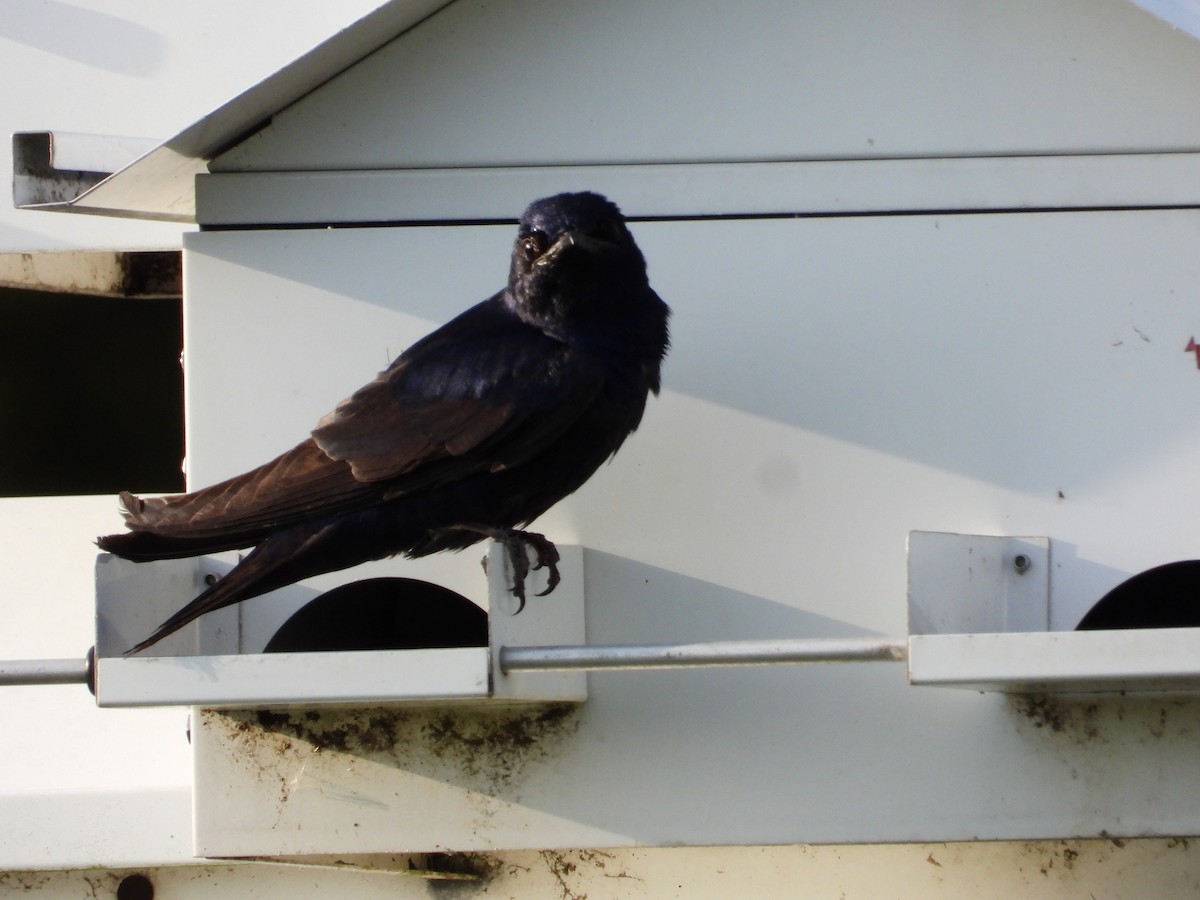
(1078, 720)
(488, 750)
(1087, 720)
(460, 874)
(568, 872)
(583, 866)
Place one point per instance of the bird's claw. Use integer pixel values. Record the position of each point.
(547, 558)
(545, 555)
(515, 542)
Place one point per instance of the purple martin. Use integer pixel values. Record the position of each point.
(473, 432)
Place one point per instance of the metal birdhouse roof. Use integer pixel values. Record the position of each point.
(83, 174)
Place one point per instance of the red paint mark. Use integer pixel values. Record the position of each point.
(1193, 347)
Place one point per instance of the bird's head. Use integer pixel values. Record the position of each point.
(573, 258)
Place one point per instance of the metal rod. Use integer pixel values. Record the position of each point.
(714, 653)
(44, 671)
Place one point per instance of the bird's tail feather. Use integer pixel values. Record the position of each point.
(241, 511)
(146, 540)
(281, 559)
(143, 546)
(268, 566)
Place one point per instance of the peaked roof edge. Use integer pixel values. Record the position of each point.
(1182, 14)
(159, 184)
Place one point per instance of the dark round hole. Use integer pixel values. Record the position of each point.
(1163, 597)
(383, 614)
(135, 887)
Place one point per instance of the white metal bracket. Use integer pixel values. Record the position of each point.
(979, 619)
(970, 583)
(132, 598)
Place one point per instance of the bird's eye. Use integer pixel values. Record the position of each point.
(534, 244)
(611, 230)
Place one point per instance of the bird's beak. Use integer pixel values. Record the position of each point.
(568, 239)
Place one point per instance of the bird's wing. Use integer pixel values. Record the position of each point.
(484, 392)
(296, 485)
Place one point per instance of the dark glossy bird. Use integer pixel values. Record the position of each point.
(473, 432)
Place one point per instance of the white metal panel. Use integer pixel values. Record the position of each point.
(70, 773)
(1163, 659)
(816, 187)
(834, 384)
(81, 826)
(968, 368)
(484, 84)
(1162, 869)
(280, 679)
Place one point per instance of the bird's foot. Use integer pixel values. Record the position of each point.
(545, 554)
(515, 543)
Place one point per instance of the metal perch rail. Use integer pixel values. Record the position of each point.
(711, 653)
(560, 658)
(15, 672)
